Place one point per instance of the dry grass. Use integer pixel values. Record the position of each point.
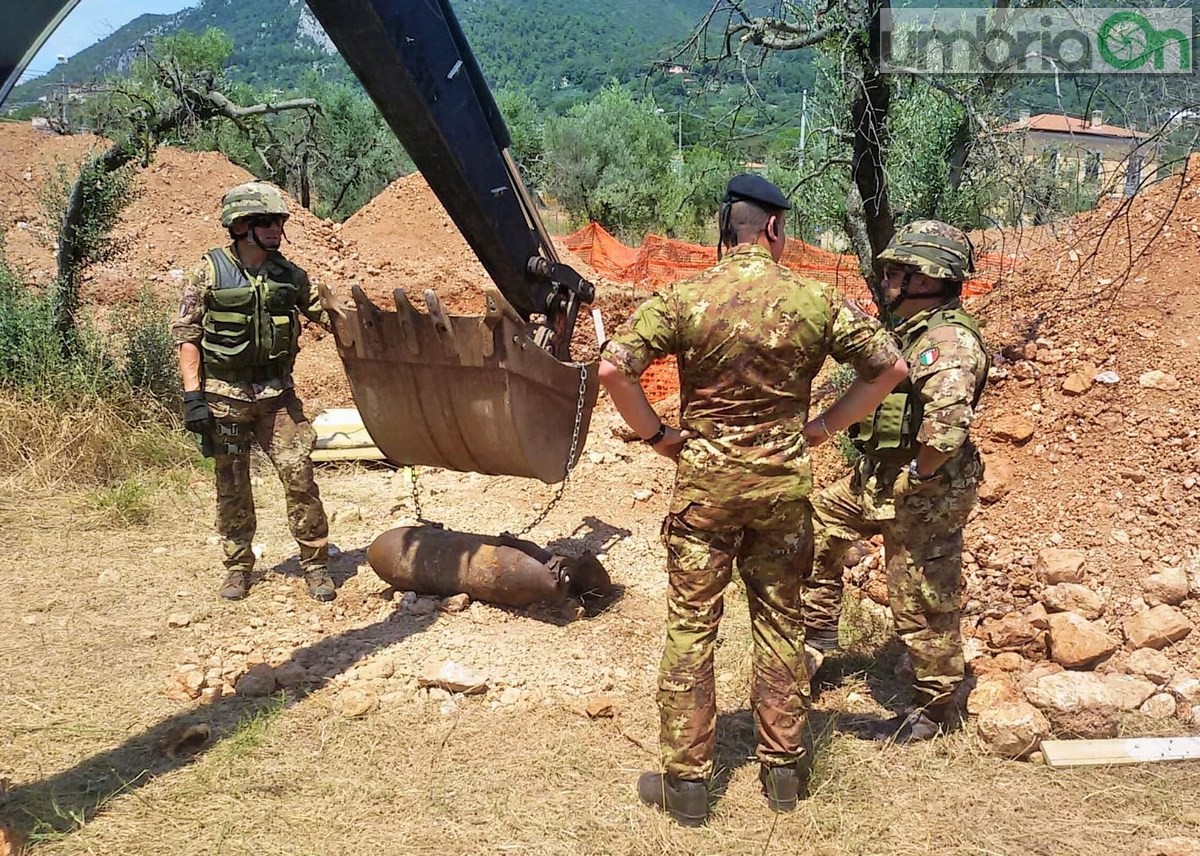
(82, 710)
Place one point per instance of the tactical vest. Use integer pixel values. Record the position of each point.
(251, 325)
(890, 433)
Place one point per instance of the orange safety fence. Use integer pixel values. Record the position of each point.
(660, 261)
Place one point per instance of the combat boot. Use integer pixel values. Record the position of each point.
(320, 586)
(686, 802)
(822, 640)
(236, 584)
(784, 786)
(918, 725)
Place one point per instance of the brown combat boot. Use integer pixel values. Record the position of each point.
(236, 584)
(686, 802)
(320, 586)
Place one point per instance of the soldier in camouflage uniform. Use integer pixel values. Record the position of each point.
(916, 482)
(749, 336)
(238, 333)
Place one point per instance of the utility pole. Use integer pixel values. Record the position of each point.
(803, 126)
(681, 130)
(62, 76)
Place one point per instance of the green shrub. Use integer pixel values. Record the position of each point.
(150, 355)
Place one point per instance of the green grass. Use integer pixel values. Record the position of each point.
(129, 502)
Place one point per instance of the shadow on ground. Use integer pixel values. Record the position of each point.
(66, 801)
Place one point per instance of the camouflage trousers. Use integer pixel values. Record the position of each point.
(703, 545)
(283, 432)
(922, 546)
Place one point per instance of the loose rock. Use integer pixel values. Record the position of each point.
(1077, 703)
(1156, 379)
(456, 603)
(1077, 643)
(997, 479)
(354, 702)
(600, 708)
(258, 681)
(991, 692)
(1072, 597)
(1013, 729)
(1151, 664)
(1170, 586)
(1060, 566)
(453, 677)
(1013, 429)
(1129, 692)
(1159, 706)
(1156, 627)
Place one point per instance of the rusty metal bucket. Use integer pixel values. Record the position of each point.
(467, 393)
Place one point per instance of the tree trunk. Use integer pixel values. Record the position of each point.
(868, 118)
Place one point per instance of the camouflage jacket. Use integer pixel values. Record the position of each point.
(750, 336)
(188, 326)
(945, 366)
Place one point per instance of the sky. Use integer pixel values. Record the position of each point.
(91, 21)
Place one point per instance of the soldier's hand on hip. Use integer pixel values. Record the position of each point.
(197, 417)
(672, 442)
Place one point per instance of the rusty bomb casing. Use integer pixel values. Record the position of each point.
(496, 569)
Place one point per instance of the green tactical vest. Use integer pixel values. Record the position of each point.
(251, 325)
(890, 433)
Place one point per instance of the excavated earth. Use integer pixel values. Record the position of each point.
(1111, 471)
(1088, 427)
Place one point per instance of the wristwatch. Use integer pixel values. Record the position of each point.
(913, 475)
(658, 435)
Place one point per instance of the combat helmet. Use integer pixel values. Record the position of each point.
(935, 248)
(253, 197)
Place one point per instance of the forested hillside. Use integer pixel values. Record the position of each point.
(557, 53)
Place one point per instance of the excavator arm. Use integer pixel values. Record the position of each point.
(494, 393)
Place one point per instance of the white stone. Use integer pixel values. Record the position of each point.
(453, 677)
(1159, 706)
(1151, 664)
(1170, 585)
(1072, 597)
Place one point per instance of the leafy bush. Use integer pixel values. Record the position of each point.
(150, 355)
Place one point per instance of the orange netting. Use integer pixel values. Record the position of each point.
(659, 261)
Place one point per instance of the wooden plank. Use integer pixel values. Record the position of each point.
(361, 453)
(1124, 750)
(342, 437)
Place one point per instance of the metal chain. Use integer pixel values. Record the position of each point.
(562, 485)
(416, 497)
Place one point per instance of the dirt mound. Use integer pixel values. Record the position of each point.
(408, 236)
(1098, 333)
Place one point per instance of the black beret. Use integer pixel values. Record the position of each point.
(749, 187)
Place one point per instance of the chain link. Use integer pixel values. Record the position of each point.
(562, 485)
(416, 497)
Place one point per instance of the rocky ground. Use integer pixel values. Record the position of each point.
(1083, 585)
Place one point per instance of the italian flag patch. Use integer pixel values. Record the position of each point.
(928, 357)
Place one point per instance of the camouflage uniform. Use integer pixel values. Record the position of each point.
(266, 410)
(921, 520)
(750, 336)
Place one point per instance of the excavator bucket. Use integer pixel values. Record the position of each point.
(467, 393)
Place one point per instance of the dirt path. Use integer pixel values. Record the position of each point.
(87, 659)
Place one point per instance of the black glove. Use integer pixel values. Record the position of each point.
(197, 418)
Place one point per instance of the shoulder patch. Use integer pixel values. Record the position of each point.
(928, 357)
